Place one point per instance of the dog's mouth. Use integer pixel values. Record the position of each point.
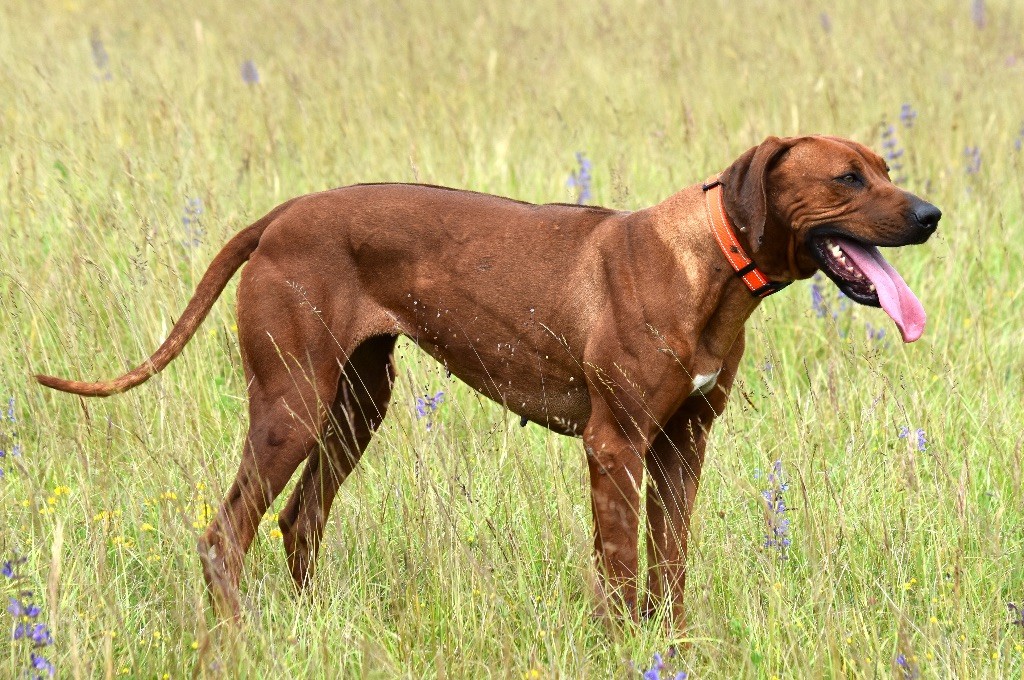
(860, 271)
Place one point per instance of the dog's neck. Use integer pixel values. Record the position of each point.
(727, 236)
(686, 223)
(718, 302)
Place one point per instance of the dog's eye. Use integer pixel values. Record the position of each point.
(851, 179)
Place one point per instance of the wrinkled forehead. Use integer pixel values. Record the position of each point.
(835, 154)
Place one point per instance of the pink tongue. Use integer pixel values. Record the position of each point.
(894, 294)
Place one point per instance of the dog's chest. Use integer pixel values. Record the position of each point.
(704, 382)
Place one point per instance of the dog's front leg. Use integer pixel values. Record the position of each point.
(674, 463)
(635, 386)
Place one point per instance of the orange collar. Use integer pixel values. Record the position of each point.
(755, 279)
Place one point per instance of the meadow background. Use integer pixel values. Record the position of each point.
(135, 138)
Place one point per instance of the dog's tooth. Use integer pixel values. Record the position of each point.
(871, 288)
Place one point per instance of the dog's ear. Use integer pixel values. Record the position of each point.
(746, 196)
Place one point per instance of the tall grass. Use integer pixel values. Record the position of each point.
(464, 550)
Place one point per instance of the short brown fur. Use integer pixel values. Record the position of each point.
(592, 322)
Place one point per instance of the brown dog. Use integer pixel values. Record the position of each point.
(622, 328)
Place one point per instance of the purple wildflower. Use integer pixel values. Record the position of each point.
(826, 22)
(919, 436)
(658, 665)
(24, 612)
(100, 58)
(906, 669)
(874, 334)
(190, 222)
(907, 115)
(38, 633)
(1018, 143)
(817, 296)
(17, 608)
(893, 153)
(654, 672)
(9, 445)
(40, 663)
(250, 75)
(978, 13)
(972, 154)
(10, 568)
(580, 180)
(427, 405)
(777, 537)
(99, 53)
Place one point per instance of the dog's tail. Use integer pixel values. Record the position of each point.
(230, 258)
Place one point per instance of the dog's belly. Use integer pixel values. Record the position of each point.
(522, 380)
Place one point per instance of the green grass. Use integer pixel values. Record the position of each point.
(464, 551)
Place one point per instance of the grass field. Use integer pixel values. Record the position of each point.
(133, 144)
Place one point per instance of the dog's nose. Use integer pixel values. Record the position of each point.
(928, 216)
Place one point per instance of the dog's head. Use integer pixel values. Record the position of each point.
(809, 203)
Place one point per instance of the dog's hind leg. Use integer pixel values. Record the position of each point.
(293, 370)
(359, 408)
